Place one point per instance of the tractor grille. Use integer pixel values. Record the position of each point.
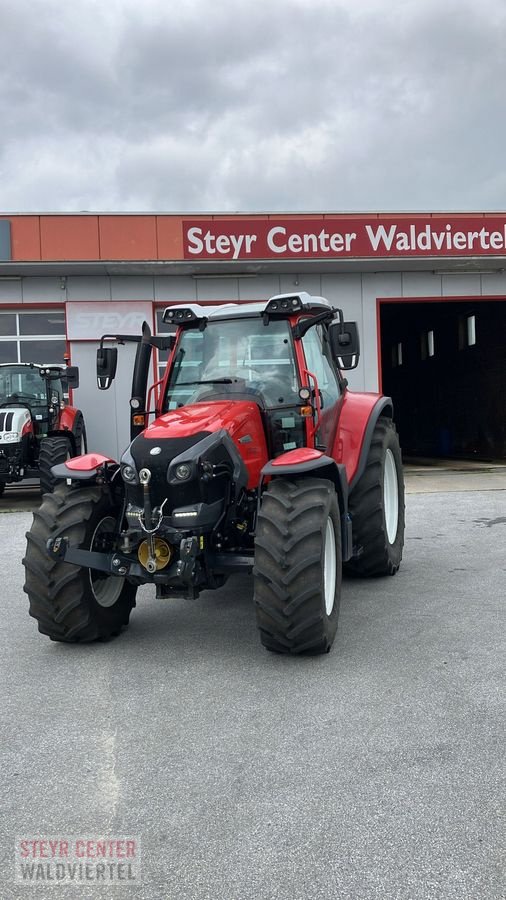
(6, 421)
(188, 492)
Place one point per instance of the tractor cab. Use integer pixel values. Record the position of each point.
(278, 354)
(240, 359)
(39, 389)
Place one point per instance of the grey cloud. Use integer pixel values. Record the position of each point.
(283, 106)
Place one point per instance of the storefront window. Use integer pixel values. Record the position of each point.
(32, 336)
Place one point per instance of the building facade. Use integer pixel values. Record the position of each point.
(428, 292)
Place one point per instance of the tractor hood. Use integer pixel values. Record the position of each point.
(240, 418)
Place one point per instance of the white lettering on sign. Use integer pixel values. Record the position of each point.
(199, 242)
(393, 239)
(89, 321)
(113, 322)
(323, 242)
(334, 238)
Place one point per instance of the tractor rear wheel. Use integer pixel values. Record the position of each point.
(53, 451)
(298, 568)
(72, 603)
(376, 506)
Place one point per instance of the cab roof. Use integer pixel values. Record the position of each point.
(250, 309)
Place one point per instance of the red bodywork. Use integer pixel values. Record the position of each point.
(67, 418)
(88, 462)
(355, 414)
(241, 418)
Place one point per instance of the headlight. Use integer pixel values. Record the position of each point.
(128, 469)
(129, 474)
(11, 437)
(183, 472)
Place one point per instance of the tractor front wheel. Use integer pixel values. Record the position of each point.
(298, 566)
(72, 603)
(376, 506)
(53, 451)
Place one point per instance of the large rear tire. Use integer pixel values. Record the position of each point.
(376, 507)
(53, 452)
(298, 566)
(71, 603)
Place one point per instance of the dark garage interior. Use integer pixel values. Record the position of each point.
(444, 365)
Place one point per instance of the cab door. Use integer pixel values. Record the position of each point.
(319, 362)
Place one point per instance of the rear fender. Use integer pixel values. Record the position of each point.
(357, 421)
(306, 462)
(67, 418)
(86, 468)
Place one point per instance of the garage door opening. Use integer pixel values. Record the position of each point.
(444, 364)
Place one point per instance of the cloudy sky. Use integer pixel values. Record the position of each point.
(251, 105)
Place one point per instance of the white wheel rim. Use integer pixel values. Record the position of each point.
(329, 567)
(391, 496)
(106, 590)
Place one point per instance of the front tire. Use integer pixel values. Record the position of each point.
(71, 603)
(298, 566)
(376, 507)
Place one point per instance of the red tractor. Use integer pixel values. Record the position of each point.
(259, 460)
(37, 427)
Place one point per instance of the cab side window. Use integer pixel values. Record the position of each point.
(318, 361)
(317, 353)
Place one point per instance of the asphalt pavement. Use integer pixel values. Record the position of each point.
(376, 771)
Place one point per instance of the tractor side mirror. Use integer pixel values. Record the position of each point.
(107, 360)
(345, 344)
(72, 376)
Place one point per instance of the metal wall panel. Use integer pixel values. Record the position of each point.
(310, 283)
(43, 290)
(11, 292)
(379, 284)
(493, 284)
(216, 289)
(421, 284)
(106, 413)
(132, 287)
(345, 291)
(461, 285)
(260, 288)
(88, 287)
(169, 288)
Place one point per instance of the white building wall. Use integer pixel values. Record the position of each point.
(356, 293)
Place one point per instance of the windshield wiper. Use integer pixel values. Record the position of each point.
(207, 381)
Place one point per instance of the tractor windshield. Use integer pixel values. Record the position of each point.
(23, 384)
(235, 356)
